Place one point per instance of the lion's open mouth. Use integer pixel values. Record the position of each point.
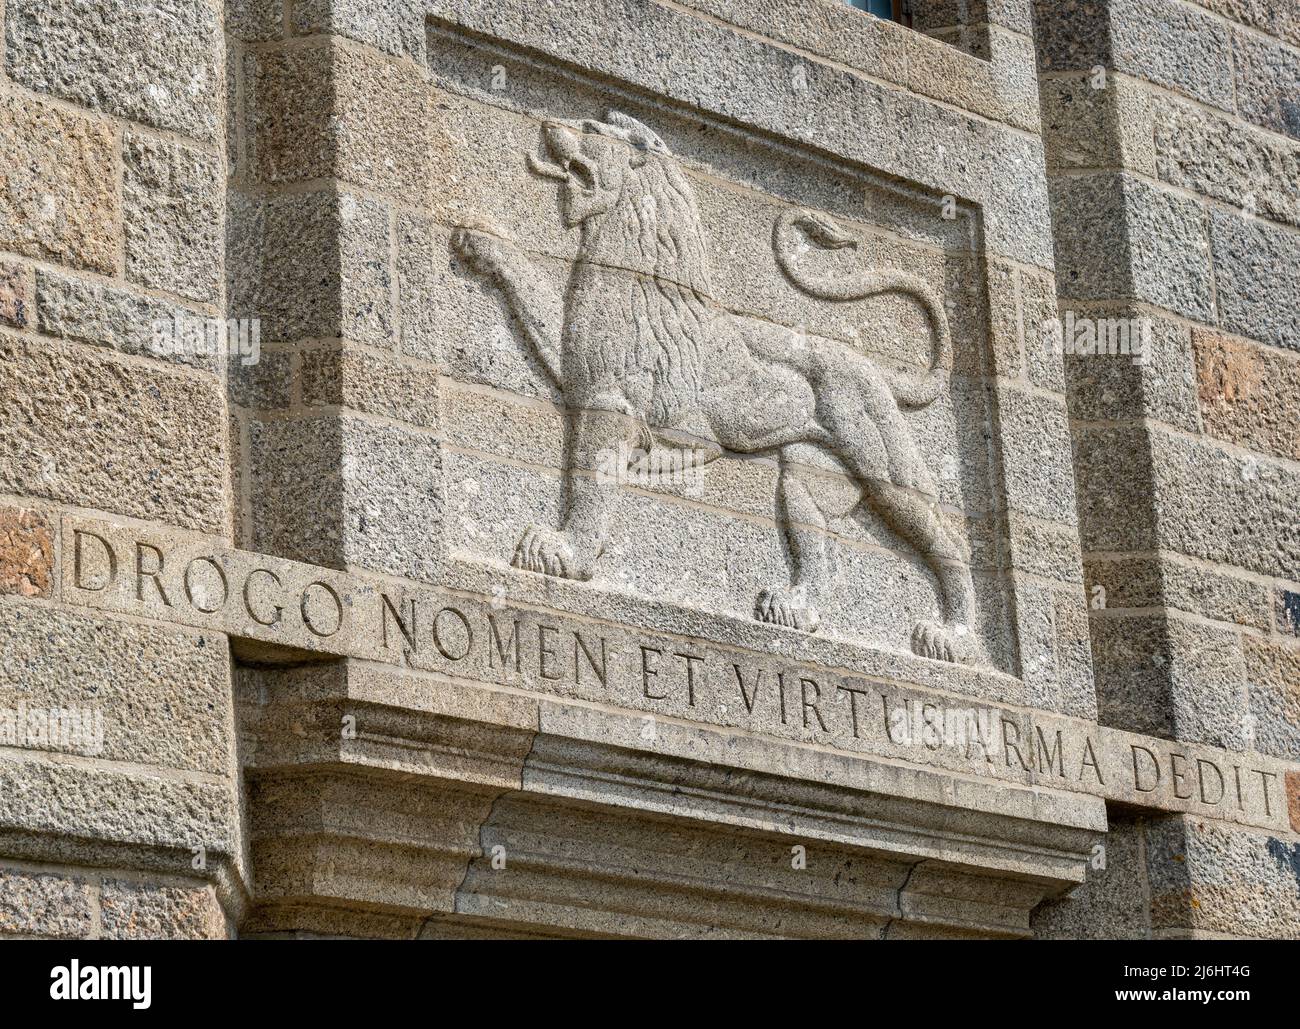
(576, 170)
(547, 169)
(563, 160)
(582, 173)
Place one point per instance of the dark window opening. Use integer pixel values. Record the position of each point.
(891, 10)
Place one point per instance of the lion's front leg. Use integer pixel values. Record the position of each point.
(595, 461)
(535, 305)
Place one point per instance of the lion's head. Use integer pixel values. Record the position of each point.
(639, 310)
(622, 185)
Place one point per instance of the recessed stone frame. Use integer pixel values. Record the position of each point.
(987, 67)
(912, 156)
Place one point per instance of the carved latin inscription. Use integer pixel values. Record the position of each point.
(474, 639)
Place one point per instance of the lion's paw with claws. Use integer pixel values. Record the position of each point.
(942, 643)
(788, 607)
(545, 552)
(485, 254)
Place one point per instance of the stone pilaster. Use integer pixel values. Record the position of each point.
(120, 811)
(328, 247)
(1171, 165)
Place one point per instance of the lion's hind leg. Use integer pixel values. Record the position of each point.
(803, 525)
(916, 518)
(872, 438)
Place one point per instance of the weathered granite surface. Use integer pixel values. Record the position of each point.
(479, 468)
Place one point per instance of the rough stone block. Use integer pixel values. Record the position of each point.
(1171, 44)
(16, 293)
(998, 85)
(1273, 681)
(1044, 549)
(1174, 45)
(310, 265)
(172, 207)
(153, 62)
(146, 911)
(105, 316)
(1044, 365)
(1115, 387)
(1071, 36)
(1006, 323)
(394, 26)
(45, 904)
(1085, 209)
(1276, 19)
(1108, 387)
(1220, 506)
(1254, 270)
(1011, 14)
(1089, 127)
(1112, 904)
(424, 255)
(1112, 469)
(340, 491)
(1055, 658)
(1145, 582)
(1267, 82)
(26, 552)
(255, 21)
(82, 812)
(289, 116)
(1036, 456)
(93, 431)
(1220, 157)
(1248, 393)
(1166, 677)
(159, 695)
(1154, 247)
(372, 383)
(335, 111)
(262, 385)
(1211, 878)
(57, 196)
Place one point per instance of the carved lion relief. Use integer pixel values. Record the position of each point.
(644, 355)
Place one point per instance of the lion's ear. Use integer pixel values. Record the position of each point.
(639, 134)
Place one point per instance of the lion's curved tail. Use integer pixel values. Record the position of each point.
(795, 226)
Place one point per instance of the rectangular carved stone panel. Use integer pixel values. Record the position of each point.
(789, 355)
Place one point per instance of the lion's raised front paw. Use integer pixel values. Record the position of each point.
(546, 552)
(943, 643)
(484, 253)
(788, 607)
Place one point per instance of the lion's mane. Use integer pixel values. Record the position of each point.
(660, 292)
